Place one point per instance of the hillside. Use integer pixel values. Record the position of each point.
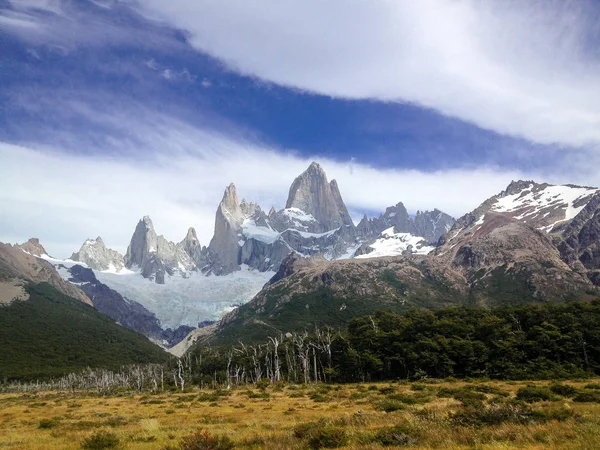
(52, 334)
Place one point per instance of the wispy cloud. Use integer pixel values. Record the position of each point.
(529, 69)
(176, 173)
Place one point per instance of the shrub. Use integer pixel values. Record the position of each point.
(302, 430)
(469, 398)
(203, 440)
(509, 413)
(46, 424)
(390, 405)
(386, 390)
(327, 437)
(395, 436)
(531, 394)
(587, 397)
(100, 441)
(564, 390)
(592, 386)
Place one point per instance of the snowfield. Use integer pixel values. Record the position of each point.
(182, 300)
(531, 204)
(394, 244)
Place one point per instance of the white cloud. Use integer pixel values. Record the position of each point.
(177, 173)
(520, 68)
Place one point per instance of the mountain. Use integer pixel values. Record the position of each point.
(430, 225)
(94, 254)
(33, 247)
(313, 195)
(156, 257)
(202, 283)
(532, 243)
(315, 220)
(50, 334)
(17, 262)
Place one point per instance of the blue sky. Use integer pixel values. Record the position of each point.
(110, 110)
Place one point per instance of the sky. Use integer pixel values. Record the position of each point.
(115, 109)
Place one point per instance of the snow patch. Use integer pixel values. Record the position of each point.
(395, 244)
(532, 203)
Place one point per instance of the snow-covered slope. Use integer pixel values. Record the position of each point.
(544, 206)
(538, 202)
(391, 243)
(181, 300)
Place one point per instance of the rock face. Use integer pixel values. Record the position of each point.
(97, 256)
(16, 263)
(33, 247)
(315, 220)
(313, 195)
(430, 225)
(156, 257)
(224, 249)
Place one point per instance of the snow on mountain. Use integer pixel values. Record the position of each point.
(181, 300)
(392, 243)
(530, 203)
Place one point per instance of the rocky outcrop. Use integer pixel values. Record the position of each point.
(312, 194)
(156, 257)
(15, 263)
(33, 247)
(224, 248)
(94, 254)
(430, 225)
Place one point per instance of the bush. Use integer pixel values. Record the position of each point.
(469, 398)
(587, 397)
(304, 429)
(46, 424)
(203, 440)
(100, 441)
(509, 413)
(321, 435)
(564, 390)
(531, 394)
(327, 437)
(592, 386)
(397, 436)
(390, 405)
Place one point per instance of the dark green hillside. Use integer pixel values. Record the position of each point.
(52, 334)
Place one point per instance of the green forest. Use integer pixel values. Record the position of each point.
(52, 334)
(535, 341)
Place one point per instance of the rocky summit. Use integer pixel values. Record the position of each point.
(97, 256)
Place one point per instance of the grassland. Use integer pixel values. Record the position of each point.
(444, 414)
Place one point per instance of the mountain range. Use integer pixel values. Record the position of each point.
(308, 264)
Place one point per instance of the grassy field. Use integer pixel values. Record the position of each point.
(431, 415)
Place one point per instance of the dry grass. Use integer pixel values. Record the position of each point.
(425, 418)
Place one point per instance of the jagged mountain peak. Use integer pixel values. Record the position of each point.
(230, 197)
(191, 235)
(147, 221)
(313, 194)
(33, 247)
(94, 254)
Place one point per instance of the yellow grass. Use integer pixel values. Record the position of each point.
(161, 420)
